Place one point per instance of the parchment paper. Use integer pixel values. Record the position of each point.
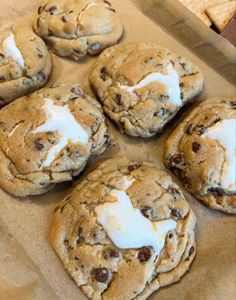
(212, 275)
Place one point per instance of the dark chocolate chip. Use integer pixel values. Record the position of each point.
(196, 147)
(144, 254)
(146, 211)
(42, 75)
(78, 51)
(182, 96)
(191, 250)
(118, 99)
(178, 158)
(112, 9)
(2, 78)
(217, 191)
(101, 274)
(2, 55)
(176, 213)
(113, 253)
(103, 73)
(38, 145)
(181, 84)
(40, 10)
(170, 235)
(64, 19)
(50, 32)
(40, 55)
(164, 97)
(133, 167)
(189, 128)
(233, 104)
(77, 91)
(52, 9)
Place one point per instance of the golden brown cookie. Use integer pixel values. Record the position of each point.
(125, 231)
(25, 64)
(142, 86)
(201, 152)
(48, 137)
(78, 28)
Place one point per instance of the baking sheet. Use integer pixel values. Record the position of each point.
(212, 275)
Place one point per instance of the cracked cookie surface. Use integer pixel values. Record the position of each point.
(201, 152)
(48, 137)
(88, 249)
(78, 28)
(25, 63)
(142, 86)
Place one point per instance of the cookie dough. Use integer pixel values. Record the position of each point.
(78, 28)
(48, 137)
(25, 64)
(142, 86)
(125, 231)
(201, 151)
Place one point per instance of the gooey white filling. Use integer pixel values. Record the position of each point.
(11, 50)
(127, 227)
(171, 81)
(60, 119)
(224, 132)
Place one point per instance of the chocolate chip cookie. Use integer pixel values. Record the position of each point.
(78, 28)
(25, 64)
(201, 151)
(125, 231)
(48, 137)
(142, 86)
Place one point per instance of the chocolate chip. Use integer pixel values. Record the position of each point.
(42, 75)
(176, 213)
(52, 9)
(2, 78)
(164, 97)
(189, 128)
(233, 104)
(40, 55)
(113, 253)
(144, 254)
(112, 9)
(191, 250)
(133, 167)
(64, 19)
(101, 274)
(181, 84)
(38, 145)
(217, 191)
(178, 158)
(2, 55)
(78, 51)
(196, 147)
(103, 73)
(170, 235)
(50, 32)
(161, 112)
(182, 96)
(118, 99)
(146, 211)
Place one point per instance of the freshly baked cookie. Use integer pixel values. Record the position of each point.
(25, 64)
(75, 28)
(142, 86)
(201, 152)
(48, 137)
(124, 232)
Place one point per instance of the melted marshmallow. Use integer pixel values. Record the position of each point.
(60, 119)
(224, 132)
(171, 81)
(10, 49)
(127, 227)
